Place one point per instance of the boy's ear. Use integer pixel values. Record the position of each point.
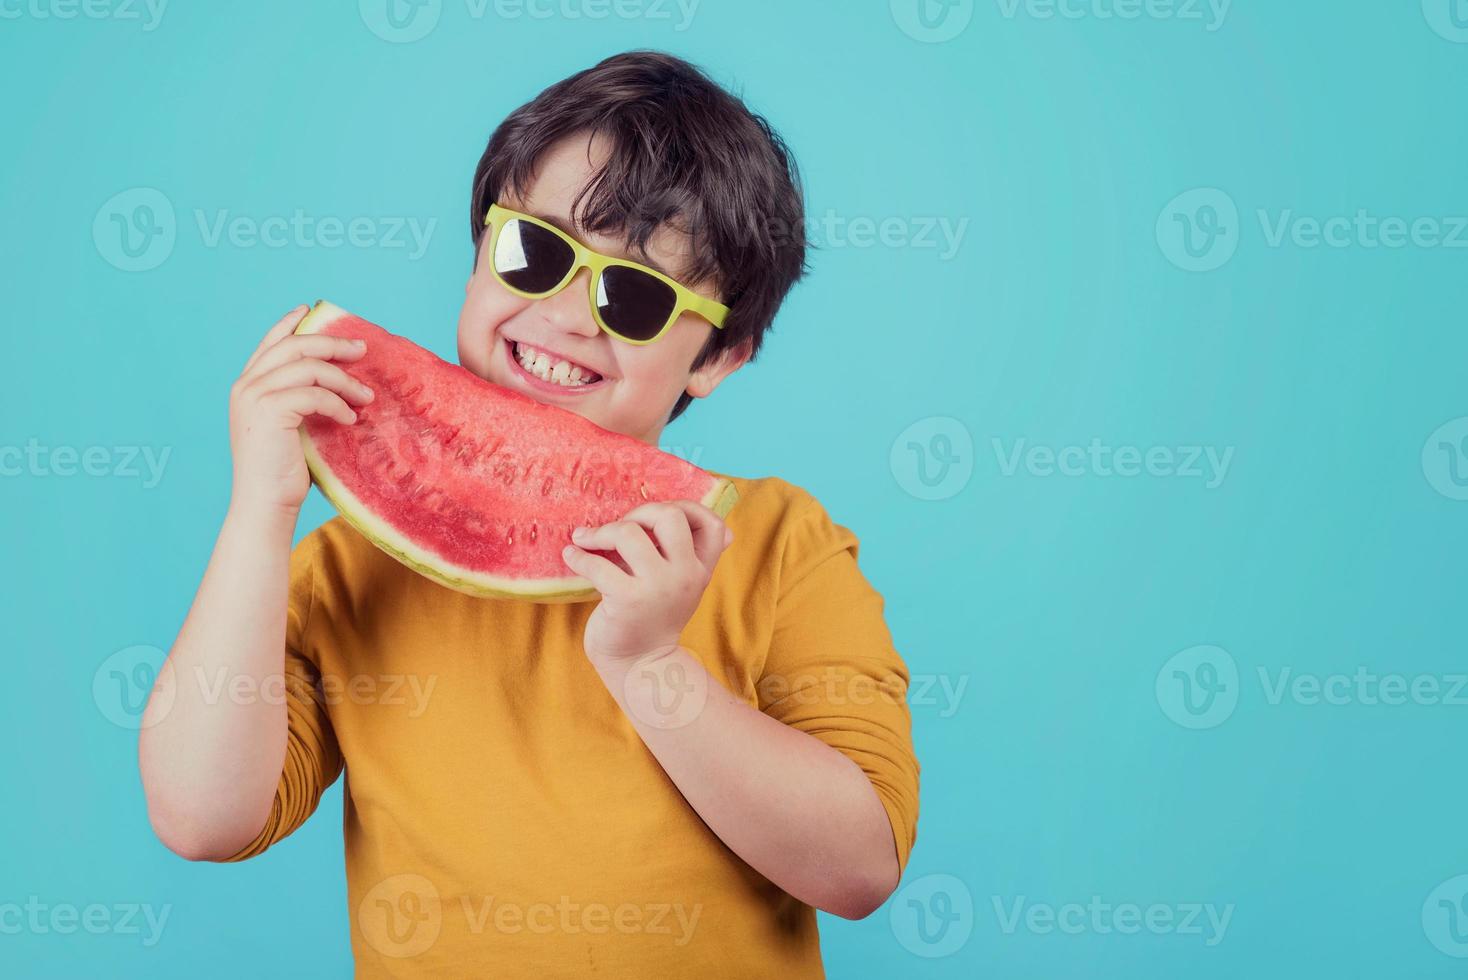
(701, 383)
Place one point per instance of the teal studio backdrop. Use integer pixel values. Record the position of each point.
(1133, 352)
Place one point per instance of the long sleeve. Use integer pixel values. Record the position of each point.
(832, 670)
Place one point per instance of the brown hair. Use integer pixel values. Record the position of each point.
(683, 151)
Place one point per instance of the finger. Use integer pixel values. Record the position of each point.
(625, 538)
(669, 527)
(601, 573)
(292, 405)
(323, 347)
(282, 329)
(710, 534)
(309, 371)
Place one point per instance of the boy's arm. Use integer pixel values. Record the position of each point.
(793, 808)
(805, 815)
(211, 762)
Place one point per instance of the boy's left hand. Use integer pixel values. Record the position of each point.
(668, 552)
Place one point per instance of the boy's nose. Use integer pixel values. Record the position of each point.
(570, 309)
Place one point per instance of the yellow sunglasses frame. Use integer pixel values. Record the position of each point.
(687, 300)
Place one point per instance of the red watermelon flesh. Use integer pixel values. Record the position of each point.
(472, 484)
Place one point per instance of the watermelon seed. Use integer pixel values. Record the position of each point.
(545, 487)
(642, 489)
(532, 534)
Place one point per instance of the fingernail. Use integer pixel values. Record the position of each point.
(359, 343)
(568, 551)
(367, 392)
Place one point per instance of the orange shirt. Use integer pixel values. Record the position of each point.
(503, 818)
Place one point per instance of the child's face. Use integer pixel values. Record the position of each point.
(637, 385)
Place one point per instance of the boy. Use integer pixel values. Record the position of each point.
(666, 782)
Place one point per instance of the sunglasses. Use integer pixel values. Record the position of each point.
(632, 302)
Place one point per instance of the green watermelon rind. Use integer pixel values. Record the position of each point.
(571, 588)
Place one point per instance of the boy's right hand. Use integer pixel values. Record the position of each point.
(287, 378)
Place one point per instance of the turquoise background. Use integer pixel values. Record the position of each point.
(1073, 764)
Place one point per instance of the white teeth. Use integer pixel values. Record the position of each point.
(559, 372)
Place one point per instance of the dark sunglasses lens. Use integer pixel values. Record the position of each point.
(633, 303)
(530, 258)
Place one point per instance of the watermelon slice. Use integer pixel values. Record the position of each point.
(472, 484)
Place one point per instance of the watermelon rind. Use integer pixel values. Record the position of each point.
(570, 588)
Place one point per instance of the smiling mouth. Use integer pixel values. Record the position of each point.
(551, 369)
